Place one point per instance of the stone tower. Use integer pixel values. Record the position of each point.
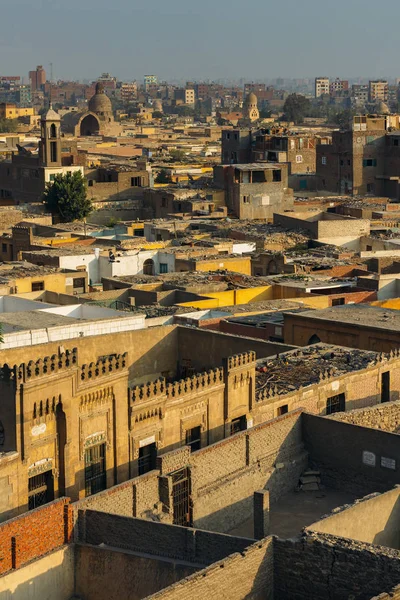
(250, 108)
(50, 144)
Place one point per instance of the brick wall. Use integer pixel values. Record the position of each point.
(34, 534)
(159, 539)
(245, 575)
(104, 574)
(382, 416)
(226, 475)
(331, 568)
(129, 499)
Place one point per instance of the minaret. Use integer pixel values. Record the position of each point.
(50, 145)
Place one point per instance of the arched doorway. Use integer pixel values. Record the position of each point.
(314, 339)
(272, 268)
(148, 267)
(62, 440)
(89, 126)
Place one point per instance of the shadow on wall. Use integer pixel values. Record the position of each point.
(390, 534)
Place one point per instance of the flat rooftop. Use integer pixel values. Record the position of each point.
(20, 269)
(262, 319)
(300, 368)
(258, 166)
(296, 510)
(357, 314)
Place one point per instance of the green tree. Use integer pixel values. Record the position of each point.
(265, 113)
(66, 196)
(184, 111)
(163, 177)
(177, 155)
(344, 118)
(8, 125)
(295, 108)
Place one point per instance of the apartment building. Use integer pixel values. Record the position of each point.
(321, 86)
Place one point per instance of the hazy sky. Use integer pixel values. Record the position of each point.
(202, 39)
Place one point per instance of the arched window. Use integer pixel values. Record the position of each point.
(53, 131)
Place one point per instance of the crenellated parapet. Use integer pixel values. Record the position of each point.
(189, 385)
(107, 365)
(241, 360)
(42, 367)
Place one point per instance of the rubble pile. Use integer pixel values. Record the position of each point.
(303, 367)
(310, 481)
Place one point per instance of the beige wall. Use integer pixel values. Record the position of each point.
(48, 578)
(375, 520)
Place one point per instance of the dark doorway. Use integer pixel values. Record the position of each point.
(181, 497)
(314, 339)
(147, 458)
(148, 267)
(95, 469)
(40, 489)
(239, 424)
(62, 440)
(385, 387)
(336, 404)
(193, 438)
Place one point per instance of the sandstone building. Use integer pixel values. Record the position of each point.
(97, 120)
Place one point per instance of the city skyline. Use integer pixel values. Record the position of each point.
(186, 40)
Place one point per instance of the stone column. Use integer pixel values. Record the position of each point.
(261, 514)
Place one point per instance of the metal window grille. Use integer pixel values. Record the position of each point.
(335, 404)
(95, 469)
(38, 490)
(181, 498)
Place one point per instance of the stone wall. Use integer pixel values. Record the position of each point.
(356, 459)
(320, 566)
(246, 575)
(382, 416)
(212, 347)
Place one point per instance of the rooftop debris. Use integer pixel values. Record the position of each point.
(299, 368)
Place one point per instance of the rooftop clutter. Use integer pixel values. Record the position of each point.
(292, 370)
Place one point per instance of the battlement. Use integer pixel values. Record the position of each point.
(104, 366)
(158, 388)
(43, 366)
(240, 360)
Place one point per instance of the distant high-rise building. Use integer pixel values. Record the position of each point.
(150, 80)
(338, 85)
(321, 86)
(378, 90)
(37, 78)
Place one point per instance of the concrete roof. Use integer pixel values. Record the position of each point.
(357, 314)
(257, 166)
